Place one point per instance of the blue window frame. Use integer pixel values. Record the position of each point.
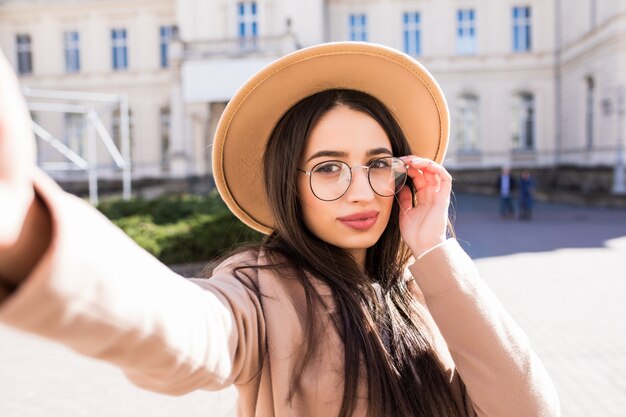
(71, 44)
(412, 33)
(119, 49)
(466, 31)
(358, 27)
(247, 24)
(165, 35)
(521, 29)
(24, 54)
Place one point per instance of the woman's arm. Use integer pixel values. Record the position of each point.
(502, 374)
(97, 292)
(69, 275)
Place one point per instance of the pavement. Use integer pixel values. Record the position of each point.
(561, 276)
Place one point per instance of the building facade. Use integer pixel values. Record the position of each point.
(95, 47)
(535, 84)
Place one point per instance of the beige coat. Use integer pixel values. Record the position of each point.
(97, 292)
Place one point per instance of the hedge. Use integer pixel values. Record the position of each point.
(180, 228)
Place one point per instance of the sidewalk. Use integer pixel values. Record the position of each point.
(561, 276)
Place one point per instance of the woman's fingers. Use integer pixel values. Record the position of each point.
(425, 172)
(427, 165)
(424, 225)
(16, 157)
(16, 139)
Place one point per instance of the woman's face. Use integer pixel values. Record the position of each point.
(356, 220)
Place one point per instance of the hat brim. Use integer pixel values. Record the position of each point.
(405, 87)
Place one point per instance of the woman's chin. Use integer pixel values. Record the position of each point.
(358, 243)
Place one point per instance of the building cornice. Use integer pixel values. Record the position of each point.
(605, 35)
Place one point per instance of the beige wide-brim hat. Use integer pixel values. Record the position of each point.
(397, 80)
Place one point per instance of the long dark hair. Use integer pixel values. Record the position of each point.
(386, 332)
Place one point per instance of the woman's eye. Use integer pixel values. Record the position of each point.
(380, 163)
(328, 168)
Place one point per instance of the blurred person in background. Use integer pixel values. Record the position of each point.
(506, 186)
(526, 195)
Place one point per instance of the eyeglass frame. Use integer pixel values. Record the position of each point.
(368, 168)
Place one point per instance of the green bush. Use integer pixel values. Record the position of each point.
(177, 229)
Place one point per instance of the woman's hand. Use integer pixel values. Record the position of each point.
(17, 152)
(425, 225)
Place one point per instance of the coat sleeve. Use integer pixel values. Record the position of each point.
(502, 374)
(100, 294)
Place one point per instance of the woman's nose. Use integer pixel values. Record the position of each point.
(360, 189)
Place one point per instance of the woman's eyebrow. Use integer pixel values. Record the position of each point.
(340, 154)
(378, 151)
(336, 154)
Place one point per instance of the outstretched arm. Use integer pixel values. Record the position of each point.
(75, 278)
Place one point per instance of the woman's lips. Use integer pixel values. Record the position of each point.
(360, 221)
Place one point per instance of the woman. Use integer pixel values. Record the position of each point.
(323, 318)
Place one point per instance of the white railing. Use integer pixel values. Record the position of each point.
(233, 47)
(64, 102)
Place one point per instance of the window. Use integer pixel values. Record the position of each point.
(119, 48)
(466, 31)
(589, 116)
(24, 54)
(358, 27)
(71, 43)
(468, 123)
(117, 133)
(521, 29)
(523, 121)
(164, 122)
(247, 23)
(74, 137)
(412, 33)
(165, 34)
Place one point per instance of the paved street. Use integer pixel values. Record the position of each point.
(560, 275)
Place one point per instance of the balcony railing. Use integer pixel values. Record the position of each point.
(233, 47)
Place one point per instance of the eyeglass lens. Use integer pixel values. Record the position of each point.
(331, 179)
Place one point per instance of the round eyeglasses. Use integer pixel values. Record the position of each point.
(330, 180)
